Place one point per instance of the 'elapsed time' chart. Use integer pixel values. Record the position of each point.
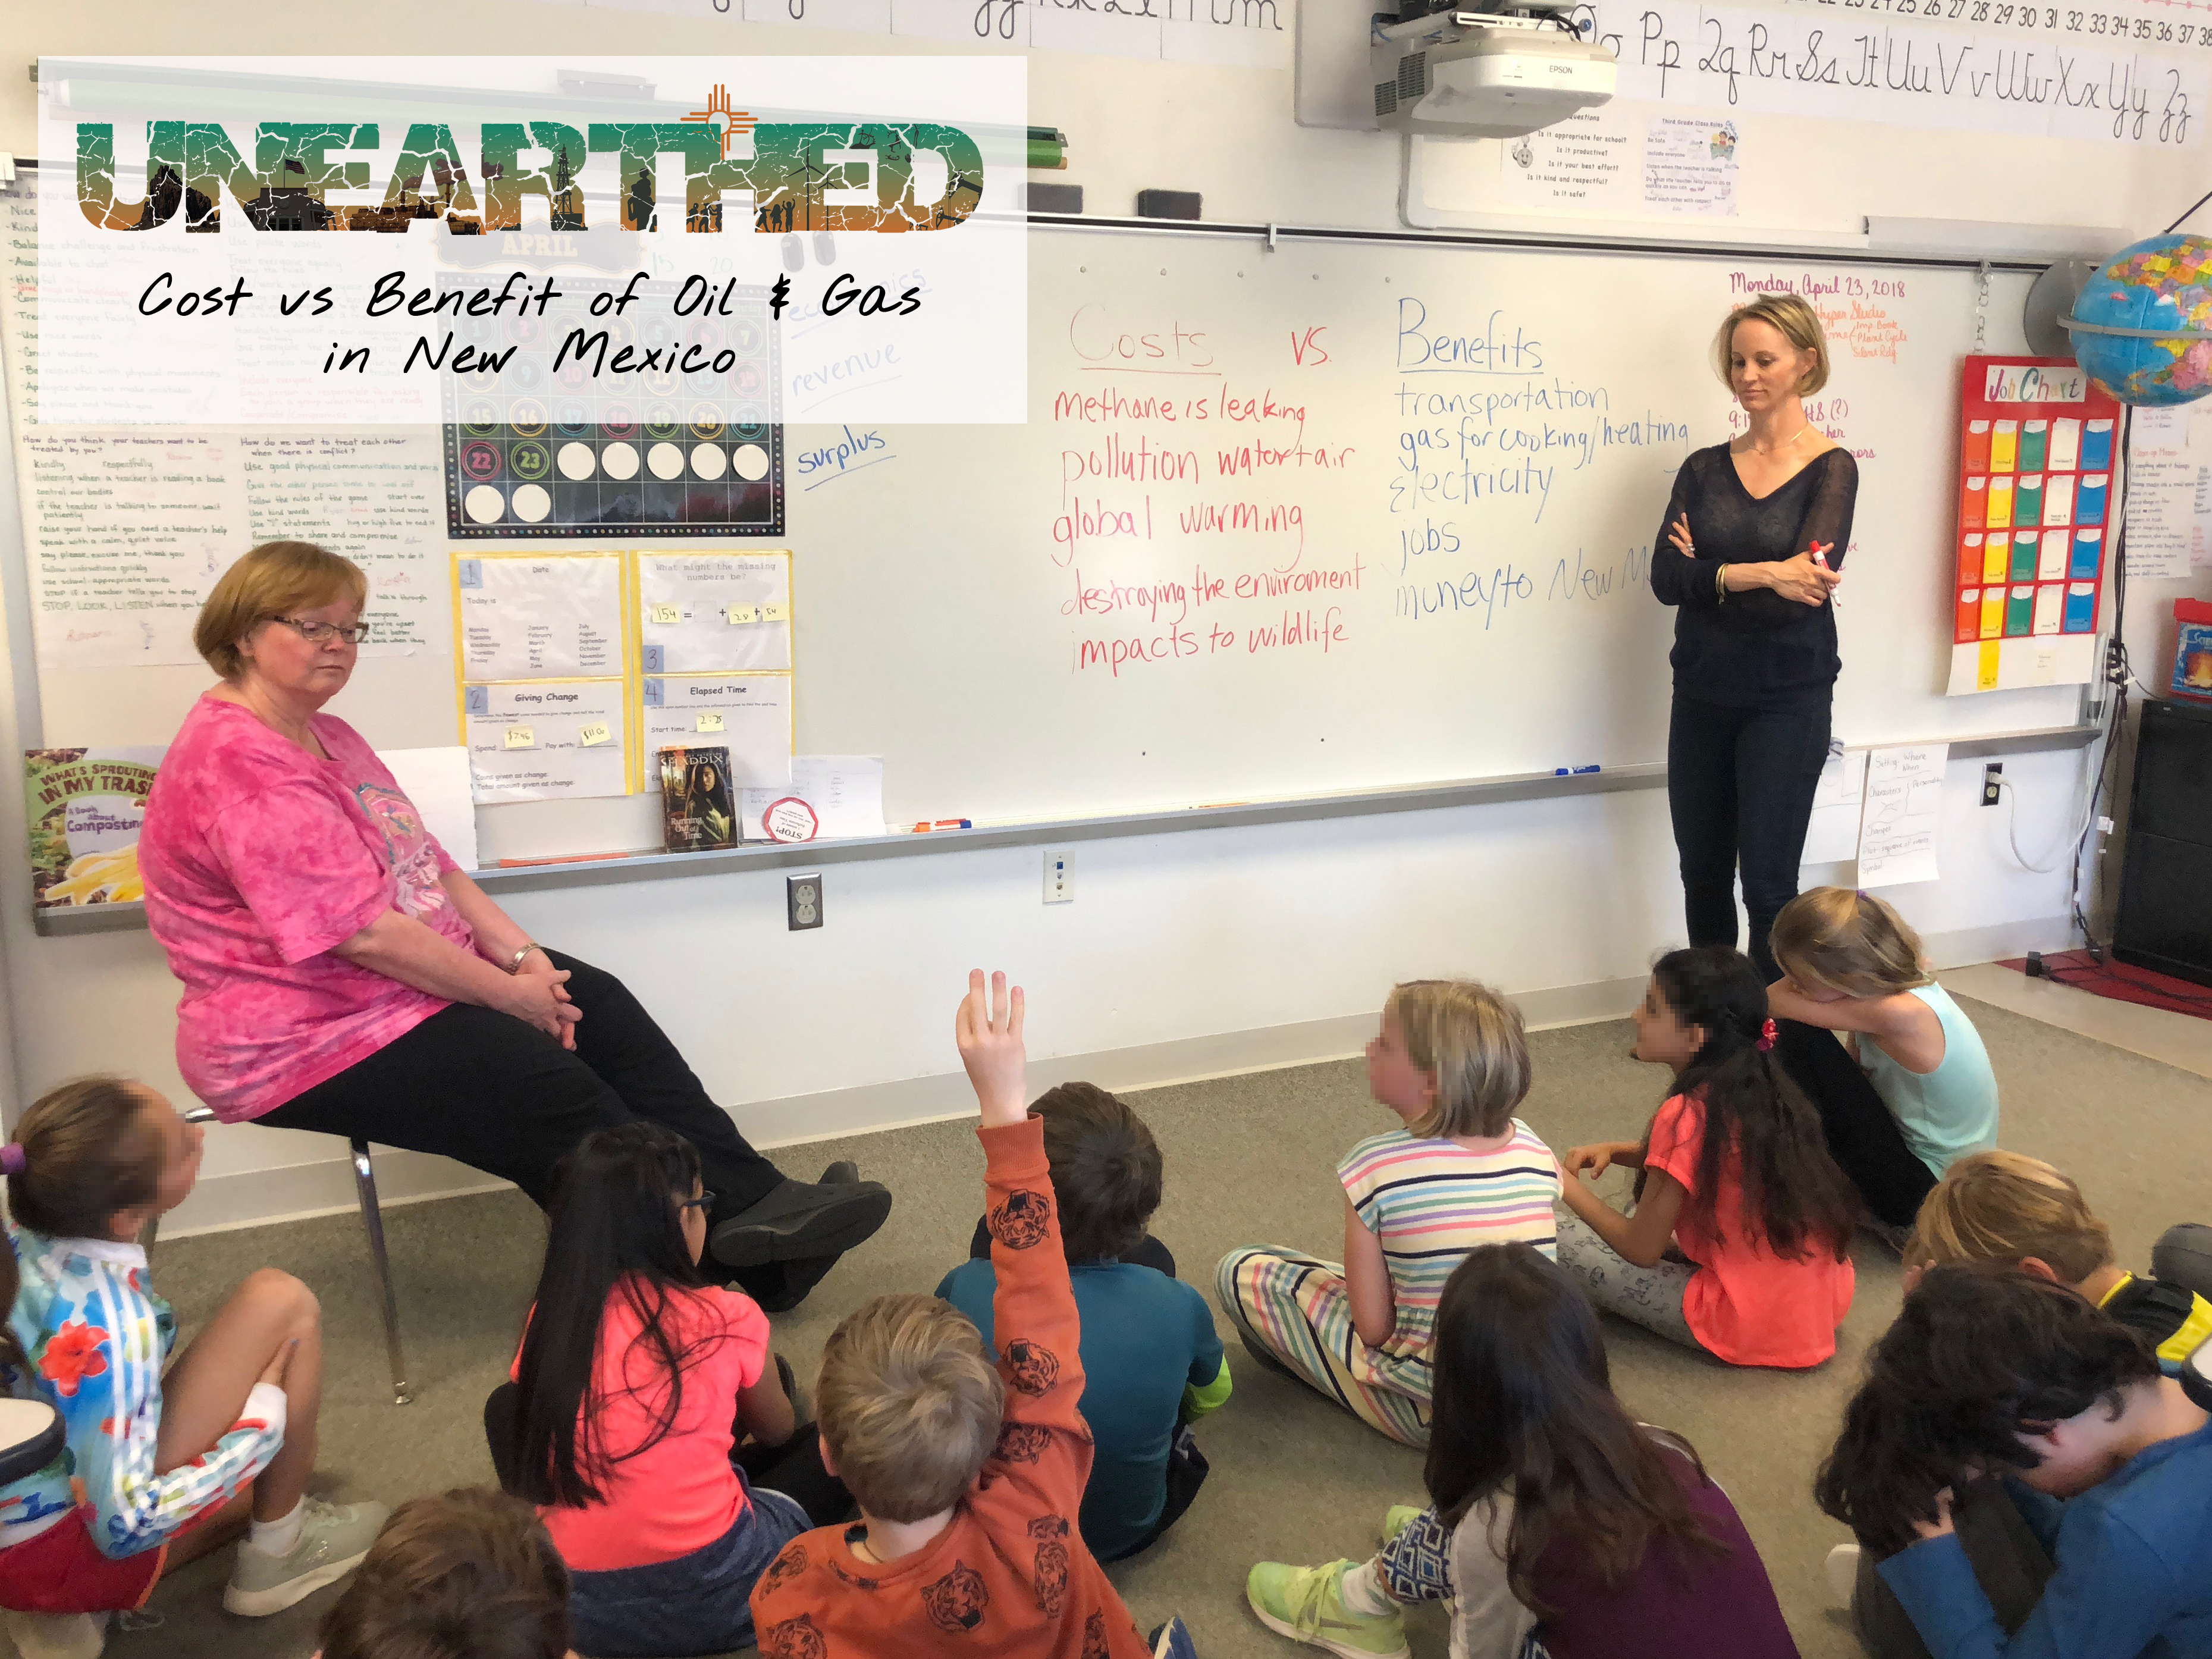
(572, 447)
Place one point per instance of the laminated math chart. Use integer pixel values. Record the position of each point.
(713, 613)
(749, 714)
(2038, 449)
(539, 650)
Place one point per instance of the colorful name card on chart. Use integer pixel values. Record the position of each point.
(2036, 450)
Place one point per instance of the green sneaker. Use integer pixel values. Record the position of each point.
(333, 1537)
(1307, 1605)
(1397, 1518)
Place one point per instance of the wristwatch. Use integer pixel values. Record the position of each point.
(514, 963)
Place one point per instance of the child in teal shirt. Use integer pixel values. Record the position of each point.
(1151, 1361)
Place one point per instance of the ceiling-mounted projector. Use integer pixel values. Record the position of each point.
(1454, 74)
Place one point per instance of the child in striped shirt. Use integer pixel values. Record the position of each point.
(1452, 1061)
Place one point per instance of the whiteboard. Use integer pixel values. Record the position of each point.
(1405, 544)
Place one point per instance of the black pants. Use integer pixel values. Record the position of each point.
(2009, 1563)
(1739, 786)
(1862, 1136)
(480, 1086)
(794, 1468)
(1150, 1254)
(1186, 1472)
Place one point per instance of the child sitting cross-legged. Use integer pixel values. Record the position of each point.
(472, 1574)
(1740, 1244)
(634, 1376)
(969, 1476)
(1557, 1523)
(1151, 1360)
(1452, 1061)
(156, 1466)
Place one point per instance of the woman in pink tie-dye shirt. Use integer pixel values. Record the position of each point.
(341, 974)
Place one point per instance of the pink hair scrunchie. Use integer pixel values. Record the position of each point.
(12, 1158)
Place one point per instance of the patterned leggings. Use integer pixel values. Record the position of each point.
(1294, 1310)
(1650, 1296)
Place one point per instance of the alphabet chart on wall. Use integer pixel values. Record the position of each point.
(605, 426)
(2036, 453)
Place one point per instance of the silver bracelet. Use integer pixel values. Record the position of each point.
(514, 963)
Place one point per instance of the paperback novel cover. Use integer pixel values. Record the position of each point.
(698, 813)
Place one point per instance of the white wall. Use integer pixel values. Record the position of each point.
(1182, 954)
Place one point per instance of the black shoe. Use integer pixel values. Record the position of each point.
(843, 1171)
(798, 1220)
(1267, 1361)
(794, 1281)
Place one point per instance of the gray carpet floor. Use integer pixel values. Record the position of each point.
(1249, 1159)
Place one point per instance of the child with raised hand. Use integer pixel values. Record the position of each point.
(1151, 1360)
(153, 1462)
(619, 1424)
(2029, 1481)
(1451, 1060)
(1552, 1510)
(1740, 1244)
(1920, 1092)
(969, 1476)
(472, 1574)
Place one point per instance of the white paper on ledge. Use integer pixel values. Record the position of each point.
(844, 791)
(1904, 811)
(437, 781)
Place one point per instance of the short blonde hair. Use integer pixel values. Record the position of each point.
(272, 580)
(909, 1404)
(2003, 1206)
(1789, 316)
(1833, 940)
(1473, 1041)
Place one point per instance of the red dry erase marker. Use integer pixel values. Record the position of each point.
(1821, 558)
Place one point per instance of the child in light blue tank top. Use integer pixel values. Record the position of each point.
(1922, 1092)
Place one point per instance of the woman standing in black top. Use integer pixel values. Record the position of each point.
(1752, 547)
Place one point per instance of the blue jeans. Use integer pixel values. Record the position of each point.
(697, 1603)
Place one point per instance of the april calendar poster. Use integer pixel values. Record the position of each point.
(2037, 449)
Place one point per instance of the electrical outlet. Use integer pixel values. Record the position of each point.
(1991, 773)
(802, 898)
(1059, 877)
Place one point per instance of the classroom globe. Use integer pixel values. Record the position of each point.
(2155, 297)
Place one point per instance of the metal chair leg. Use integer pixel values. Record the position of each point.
(372, 1219)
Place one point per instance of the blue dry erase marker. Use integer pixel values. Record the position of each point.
(1560, 772)
(1584, 771)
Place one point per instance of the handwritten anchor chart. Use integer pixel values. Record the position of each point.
(2054, 71)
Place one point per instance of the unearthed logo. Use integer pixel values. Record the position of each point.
(191, 166)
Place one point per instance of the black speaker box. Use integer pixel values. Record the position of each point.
(2165, 919)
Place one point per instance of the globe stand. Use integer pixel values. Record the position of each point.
(2050, 302)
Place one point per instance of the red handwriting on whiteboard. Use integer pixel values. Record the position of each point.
(1304, 346)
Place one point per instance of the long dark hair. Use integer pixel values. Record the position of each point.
(614, 1228)
(1524, 1406)
(1981, 1353)
(1795, 1198)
